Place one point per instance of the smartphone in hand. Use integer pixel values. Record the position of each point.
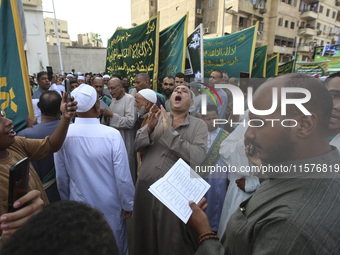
(68, 90)
(18, 182)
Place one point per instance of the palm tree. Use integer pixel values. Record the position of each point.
(96, 39)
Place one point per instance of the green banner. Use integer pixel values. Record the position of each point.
(272, 66)
(194, 57)
(260, 61)
(15, 92)
(230, 54)
(172, 48)
(312, 68)
(134, 50)
(288, 67)
(330, 53)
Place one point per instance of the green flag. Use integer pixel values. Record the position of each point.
(15, 92)
(172, 48)
(194, 58)
(272, 66)
(331, 53)
(312, 68)
(134, 50)
(288, 67)
(230, 54)
(260, 61)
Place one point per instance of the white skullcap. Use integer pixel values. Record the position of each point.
(70, 76)
(106, 76)
(149, 95)
(81, 78)
(86, 96)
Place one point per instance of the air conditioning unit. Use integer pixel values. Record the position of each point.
(206, 30)
(263, 10)
(199, 11)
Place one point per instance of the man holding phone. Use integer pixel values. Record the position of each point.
(13, 149)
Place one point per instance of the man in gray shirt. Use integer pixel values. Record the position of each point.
(293, 212)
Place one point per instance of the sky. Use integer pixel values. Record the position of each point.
(96, 16)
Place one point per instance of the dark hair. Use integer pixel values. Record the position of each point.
(73, 81)
(169, 77)
(212, 108)
(180, 75)
(41, 74)
(117, 76)
(64, 227)
(49, 103)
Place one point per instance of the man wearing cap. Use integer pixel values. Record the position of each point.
(144, 100)
(123, 116)
(167, 137)
(92, 166)
(142, 81)
(81, 79)
(106, 91)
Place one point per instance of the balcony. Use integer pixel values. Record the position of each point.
(303, 48)
(245, 7)
(308, 15)
(283, 50)
(306, 31)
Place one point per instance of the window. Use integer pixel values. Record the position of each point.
(333, 16)
(280, 21)
(243, 22)
(51, 22)
(321, 9)
(292, 25)
(52, 31)
(58, 23)
(64, 32)
(321, 42)
(211, 3)
(327, 13)
(286, 23)
(318, 26)
(261, 24)
(152, 3)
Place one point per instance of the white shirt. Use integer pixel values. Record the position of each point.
(92, 167)
(336, 141)
(232, 153)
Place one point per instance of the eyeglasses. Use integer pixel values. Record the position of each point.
(166, 84)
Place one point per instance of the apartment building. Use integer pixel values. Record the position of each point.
(89, 40)
(51, 34)
(290, 27)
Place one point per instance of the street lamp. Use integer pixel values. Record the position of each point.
(224, 11)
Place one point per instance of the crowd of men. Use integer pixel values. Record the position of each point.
(122, 139)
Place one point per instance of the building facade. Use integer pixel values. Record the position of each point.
(289, 27)
(51, 34)
(35, 46)
(89, 40)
